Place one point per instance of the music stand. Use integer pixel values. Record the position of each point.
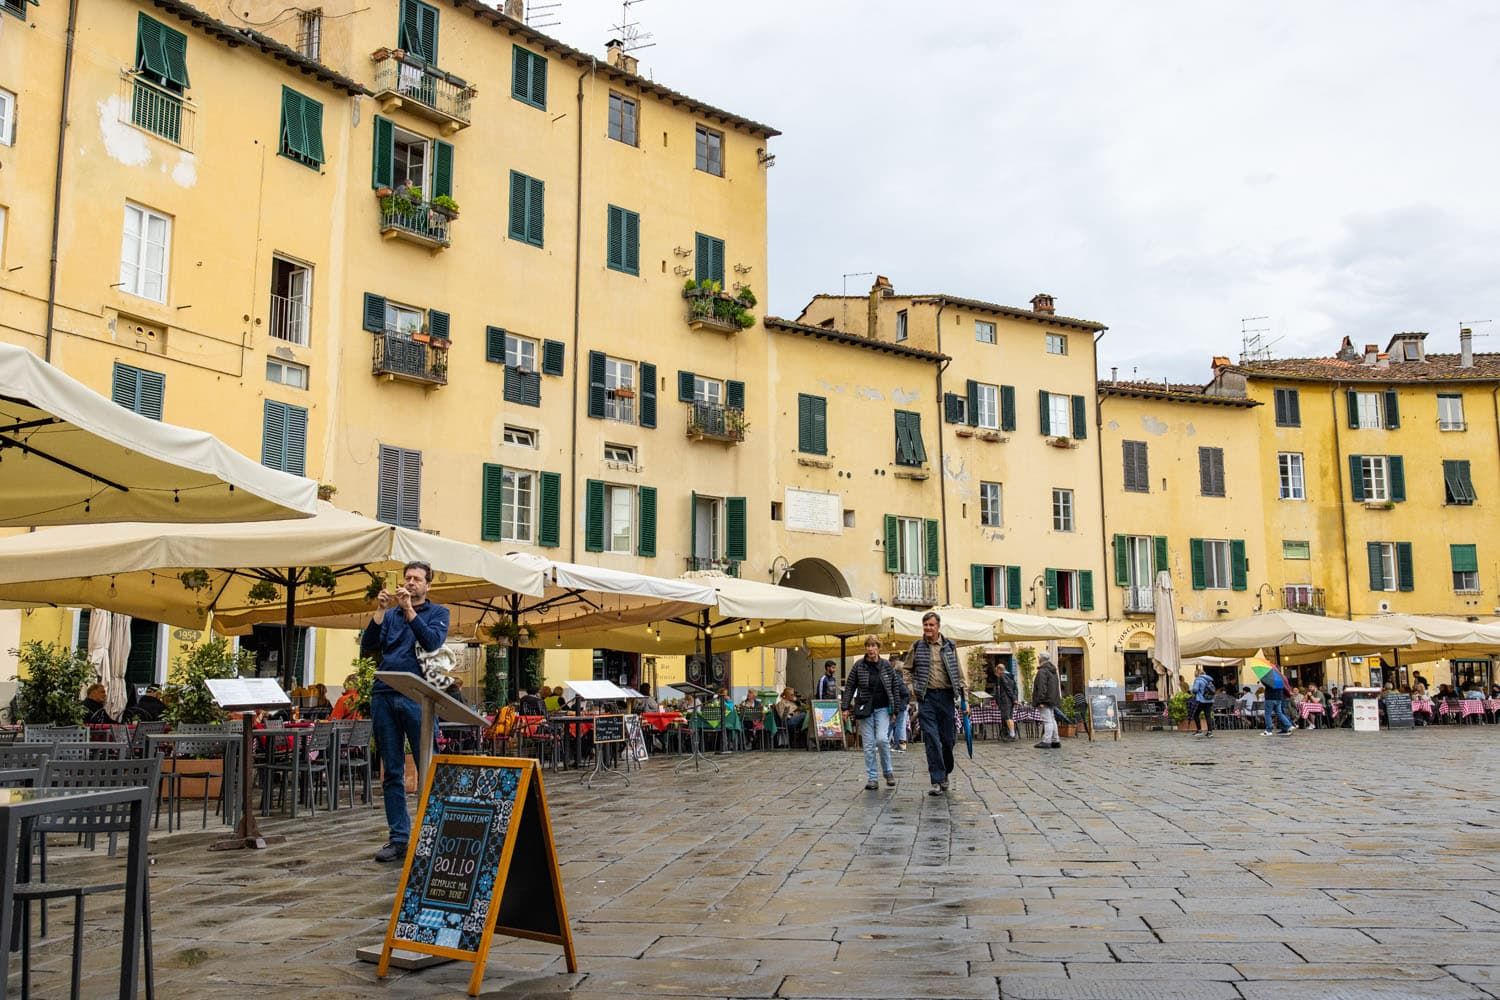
(695, 733)
(244, 695)
(433, 700)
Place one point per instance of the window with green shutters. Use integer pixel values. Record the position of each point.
(1373, 410)
(1391, 566)
(526, 208)
(909, 447)
(1069, 589)
(161, 54)
(955, 408)
(1458, 487)
(283, 440)
(552, 357)
(529, 77)
(138, 390)
(301, 128)
(812, 424)
(398, 494)
(418, 34)
(623, 245)
(708, 258)
(1219, 564)
(1465, 559)
(1288, 408)
(995, 586)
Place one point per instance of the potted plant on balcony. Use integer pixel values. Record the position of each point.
(439, 364)
(404, 199)
(445, 206)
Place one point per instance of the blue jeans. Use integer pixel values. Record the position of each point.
(938, 733)
(1276, 708)
(875, 732)
(397, 722)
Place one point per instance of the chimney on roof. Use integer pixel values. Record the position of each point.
(1465, 347)
(616, 56)
(1220, 362)
(1114, 374)
(1346, 351)
(1372, 354)
(1042, 303)
(882, 287)
(1382, 360)
(515, 10)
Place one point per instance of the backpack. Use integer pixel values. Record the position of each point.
(1208, 689)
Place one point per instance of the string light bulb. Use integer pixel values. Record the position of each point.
(762, 628)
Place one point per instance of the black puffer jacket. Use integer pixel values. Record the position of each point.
(858, 687)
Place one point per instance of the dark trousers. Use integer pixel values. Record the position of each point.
(397, 722)
(936, 714)
(1201, 710)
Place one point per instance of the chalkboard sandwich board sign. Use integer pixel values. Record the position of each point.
(1398, 711)
(609, 729)
(481, 861)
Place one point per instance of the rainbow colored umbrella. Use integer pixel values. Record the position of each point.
(1267, 673)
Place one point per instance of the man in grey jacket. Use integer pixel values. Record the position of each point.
(937, 685)
(1046, 694)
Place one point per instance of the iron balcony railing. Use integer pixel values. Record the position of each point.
(913, 589)
(712, 309)
(158, 111)
(729, 567)
(710, 420)
(432, 90)
(1139, 600)
(1307, 600)
(419, 223)
(289, 320)
(399, 356)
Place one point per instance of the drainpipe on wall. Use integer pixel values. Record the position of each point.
(577, 310)
(1338, 474)
(57, 180)
(1099, 470)
(947, 564)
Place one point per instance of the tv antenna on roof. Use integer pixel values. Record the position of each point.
(1253, 343)
(544, 15)
(629, 32)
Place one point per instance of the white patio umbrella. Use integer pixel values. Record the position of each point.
(1294, 638)
(1166, 651)
(1437, 638)
(98, 648)
(119, 659)
(72, 456)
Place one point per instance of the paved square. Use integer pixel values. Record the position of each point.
(1327, 864)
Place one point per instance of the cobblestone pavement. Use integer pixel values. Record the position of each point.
(1325, 865)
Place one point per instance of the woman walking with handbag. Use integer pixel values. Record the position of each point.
(870, 692)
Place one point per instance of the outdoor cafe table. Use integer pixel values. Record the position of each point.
(660, 721)
(231, 776)
(580, 726)
(20, 806)
(1308, 708)
(1422, 706)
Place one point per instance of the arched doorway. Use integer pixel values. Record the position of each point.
(818, 576)
(1142, 679)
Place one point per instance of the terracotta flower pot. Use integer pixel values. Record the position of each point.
(193, 788)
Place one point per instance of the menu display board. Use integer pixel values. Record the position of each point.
(1398, 711)
(609, 729)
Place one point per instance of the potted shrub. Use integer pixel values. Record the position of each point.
(1177, 710)
(364, 681)
(445, 206)
(326, 491)
(49, 693)
(439, 364)
(1067, 726)
(188, 701)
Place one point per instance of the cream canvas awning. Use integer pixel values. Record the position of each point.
(71, 456)
(1437, 638)
(1299, 638)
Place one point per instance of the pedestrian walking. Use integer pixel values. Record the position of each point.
(828, 685)
(1201, 705)
(937, 685)
(1276, 695)
(1003, 687)
(1046, 694)
(870, 695)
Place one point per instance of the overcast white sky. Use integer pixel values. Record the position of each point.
(1166, 168)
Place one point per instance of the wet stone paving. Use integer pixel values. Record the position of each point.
(1327, 864)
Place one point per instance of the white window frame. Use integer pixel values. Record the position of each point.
(1293, 483)
(521, 352)
(134, 261)
(1390, 578)
(708, 546)
(619, 374)
(400, 137)
(1059, 415)
(1447, 419)
(295, 309)
(901, 323)
(1057, 343)
(1466, 581)
(518, 500)
(911, 555)
(984, 331)
(708, 391)
(1140, 559)
(991, 509)
(988, 398)
(1062, 510)
(1067, 590)
(1217, 567)
(620, 454)
(404, 319)
(520, 437)
(1375, 474)
(1371, 410)
(619, 502)
(1297, 595)
(276, 371)
(7, 118)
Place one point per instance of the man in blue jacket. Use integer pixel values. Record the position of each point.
(407, 622)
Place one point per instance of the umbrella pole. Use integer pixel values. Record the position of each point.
(287, 637)
(843, 657)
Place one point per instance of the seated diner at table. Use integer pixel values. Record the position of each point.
(531, 704)
(347, 705)
(789, 712)
(94, 712)
(647, 703)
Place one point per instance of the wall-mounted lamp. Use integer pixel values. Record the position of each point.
(1259, 600)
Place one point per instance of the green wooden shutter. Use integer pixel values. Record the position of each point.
(1397, 466)
(1007, 407)
(701, 257)
(645, 542)
(976, 585)
(647, 409)
(518, 192)
(820, 425)
(597, 392)
(1356, 479)
(523, 387)
(410, 509)
(734, 529)
(437, 324)
(804, 423)
(1465, 558)
(161, 52)
(1351, 399)
(539, 80)
(1392, 410)
(734, 395)
(971, 402)
(1465, 482)
(293, 136)
(1085, 590)
(442, 169)
(1080, 418)
(383, 158)
(692, 524)
(1161, 555)
(1281, 418)
(685, 387)
(388, 485)
(294, 450)
(892, 544)
(633, 242)
(429, 16)
(614, 240)
(1051, 580)
(1013, 587)
(1377, 565)
(1042, 398)
(716, 263)
(1239, 569)
(1405, 577)
(312, 126)
(932, 547)
(273, 435)
(1195, 557)
(593, 520)
(552, 357)
(535, 200)
(153, 388)
(124, 387)
(953, 408)
(374, 313)
(491, 525)
(520, 74)
(409, 28)
(174, 48)
(549, 531)
(1122, 562)
(494, 344)
(902, 454)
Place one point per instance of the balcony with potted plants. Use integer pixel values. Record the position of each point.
(411, 355)
(712, 308)
(406, 215)
(404, 81)
(714, 422)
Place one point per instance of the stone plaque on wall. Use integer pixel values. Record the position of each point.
(806, 510)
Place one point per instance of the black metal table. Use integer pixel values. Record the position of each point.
(231, 769)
